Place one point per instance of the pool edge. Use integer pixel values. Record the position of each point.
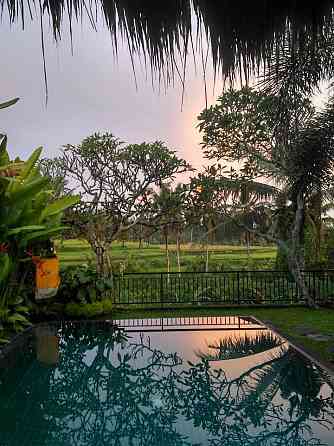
(311, 355)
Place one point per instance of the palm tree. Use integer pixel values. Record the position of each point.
(216, 199)
(169, 216)
(299, 65)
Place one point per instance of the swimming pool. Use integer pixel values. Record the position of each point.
(174, 381)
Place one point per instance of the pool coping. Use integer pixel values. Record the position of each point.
(311, 355)
(18, 338)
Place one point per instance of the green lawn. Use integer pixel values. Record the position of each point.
(289, 321)
(152, 258)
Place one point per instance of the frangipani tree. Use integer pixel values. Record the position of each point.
(116, 183)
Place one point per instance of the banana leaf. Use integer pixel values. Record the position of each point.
(17, 194)
(31, 163)
(59, 206)
(25, 229)
(46, 233)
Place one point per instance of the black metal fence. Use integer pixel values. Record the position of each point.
(227, 287)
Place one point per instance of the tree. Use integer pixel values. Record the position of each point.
(169, 216)
(288, 161)
(214, 198)
(242, 127)
(298, 67)
(203, 209)
(116, 183)
(144, 230)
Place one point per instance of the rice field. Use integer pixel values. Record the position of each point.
(152, 258)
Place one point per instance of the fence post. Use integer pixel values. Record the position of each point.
(238, 278)
(118, 281)
(314, 291)
(161, 289)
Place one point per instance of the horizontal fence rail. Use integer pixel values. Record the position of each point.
(227, 287)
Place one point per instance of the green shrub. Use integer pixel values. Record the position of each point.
(13, 318)
(81, 284)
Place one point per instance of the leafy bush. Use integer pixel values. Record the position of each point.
(81, 284)
(13, 317)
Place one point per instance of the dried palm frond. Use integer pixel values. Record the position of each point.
(242, 37)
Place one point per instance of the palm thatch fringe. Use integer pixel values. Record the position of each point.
(243, 37)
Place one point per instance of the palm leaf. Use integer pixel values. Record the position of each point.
(43, 234)
(233, 348)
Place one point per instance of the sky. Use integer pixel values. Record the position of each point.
(90, 91)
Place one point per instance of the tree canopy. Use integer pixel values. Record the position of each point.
(297, 153)
(244, 126)
(116, 183)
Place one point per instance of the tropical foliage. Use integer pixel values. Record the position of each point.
(26, 217)
(81, 284)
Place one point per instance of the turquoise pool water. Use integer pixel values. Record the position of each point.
(178, 382)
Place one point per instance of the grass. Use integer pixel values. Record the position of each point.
(288, 321)
(152, 258)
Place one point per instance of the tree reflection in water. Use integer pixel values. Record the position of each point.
(110, 389)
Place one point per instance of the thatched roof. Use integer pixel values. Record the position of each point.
(241, 35)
